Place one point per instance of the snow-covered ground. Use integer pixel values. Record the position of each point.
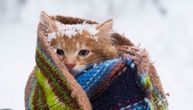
(164, 29)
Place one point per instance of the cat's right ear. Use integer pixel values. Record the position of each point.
(47, 21)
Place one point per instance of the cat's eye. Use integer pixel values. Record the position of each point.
(83, 52)
(60, 52)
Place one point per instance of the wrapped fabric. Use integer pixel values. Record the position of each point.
(129, 82)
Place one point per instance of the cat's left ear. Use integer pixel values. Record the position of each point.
(106, 27)
(105, 30)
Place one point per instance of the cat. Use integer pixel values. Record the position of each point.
(82, 50)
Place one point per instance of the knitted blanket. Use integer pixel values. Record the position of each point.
(129, 82)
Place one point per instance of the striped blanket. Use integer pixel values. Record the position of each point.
(129, 82)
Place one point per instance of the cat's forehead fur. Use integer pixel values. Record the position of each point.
(70, 30)
(74, 30)
(79, 36)
(80, 41)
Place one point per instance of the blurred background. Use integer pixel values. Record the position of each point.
(163, 27)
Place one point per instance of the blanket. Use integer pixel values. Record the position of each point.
(129, 82)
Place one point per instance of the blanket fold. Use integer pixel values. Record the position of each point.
(129, 82)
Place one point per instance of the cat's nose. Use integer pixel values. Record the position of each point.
(70, 66)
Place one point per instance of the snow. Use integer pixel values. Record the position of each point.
(51, 36)
(70, 30)
(166, 36)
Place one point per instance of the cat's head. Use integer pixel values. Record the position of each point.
(79, 48)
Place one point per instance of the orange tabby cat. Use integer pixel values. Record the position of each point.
(81, 50)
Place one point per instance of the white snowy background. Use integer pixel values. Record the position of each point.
(163, 27)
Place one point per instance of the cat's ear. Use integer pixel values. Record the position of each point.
(48, 22)
(107, 26)
(105, 29)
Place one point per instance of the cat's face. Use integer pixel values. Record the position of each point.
(82, 51)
